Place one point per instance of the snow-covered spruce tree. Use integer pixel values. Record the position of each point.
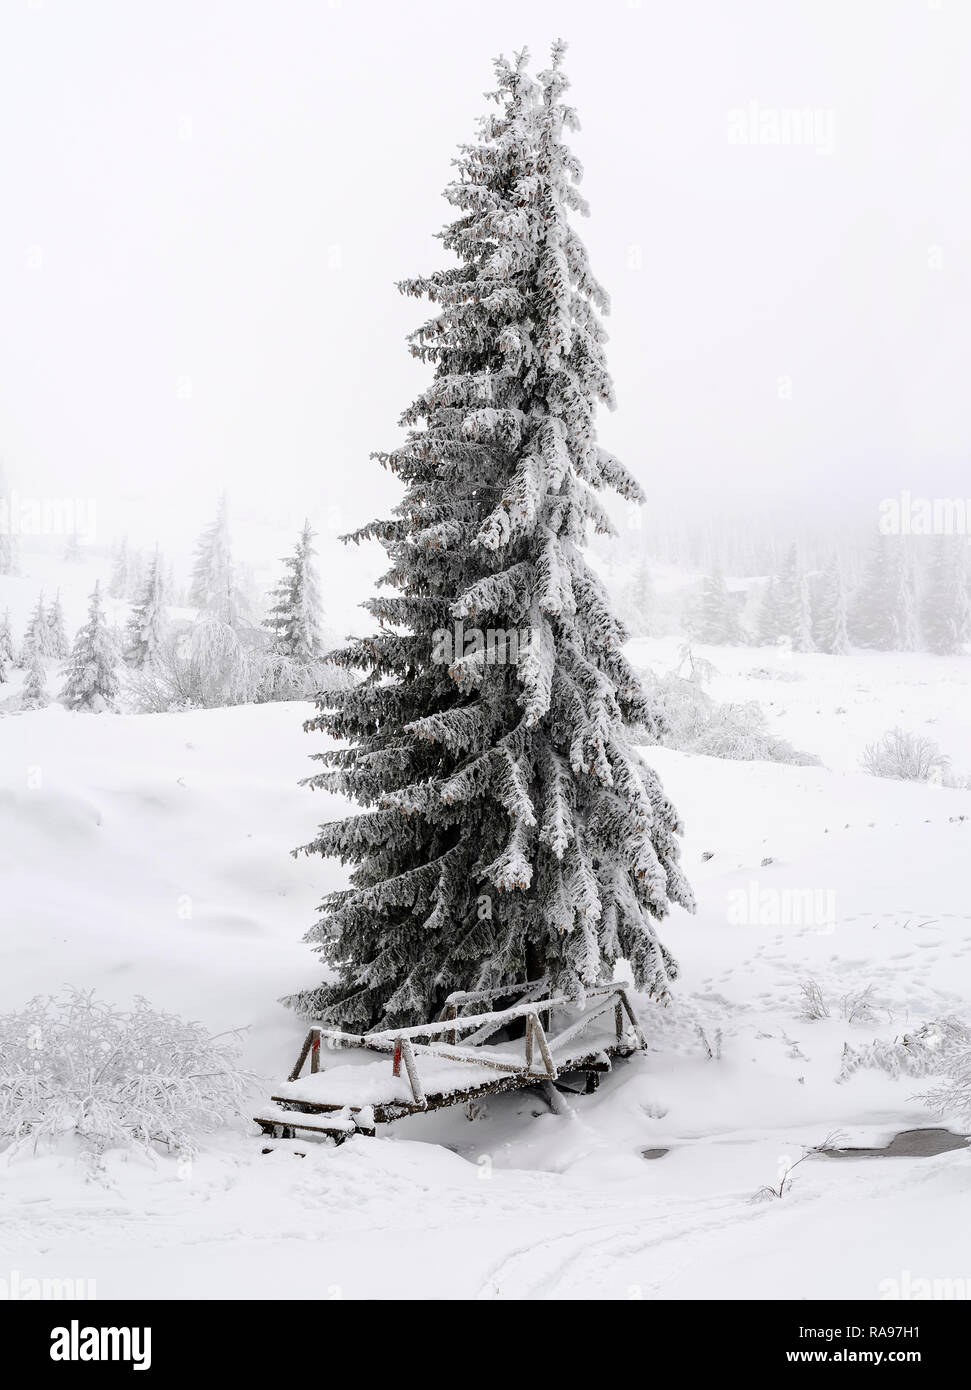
(640, 603)
(119, 585)
(34, 692)
(72, 553)
(146, 626)
(136, 575)
(905, 602)
(875, 618)
(963, 566)
(37, 638)
(213, 585)
(9, 543)
(829, 625)
(944, 598)
(56, 635)
(6, 639)
(294, 617)
(8, 553)
(716, 620)
(92, 683)
(510, 829)
(793, 604)
(770, 615)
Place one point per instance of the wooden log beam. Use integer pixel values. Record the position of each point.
(411, 1066)
(635, 1023)
(575, 1029)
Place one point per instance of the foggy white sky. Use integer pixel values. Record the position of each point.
(207, 203)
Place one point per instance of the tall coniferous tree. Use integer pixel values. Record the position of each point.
(92, 683)
(34, 692)
(793, 604)
(37, 638)
(640, 602)
(830, 624)
(213, 585)
(72, 553)
(717, 616)
(9, 541)
(509, 828)
(876, 615)
(294, 619)
(963, 567)
(6, 638)
(770, 614)
(119, 585)
(8, 553)
(57, 637)
(146, 626)
(905, 603)
(943, 605)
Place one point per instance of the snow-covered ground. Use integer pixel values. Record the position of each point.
(149, 855)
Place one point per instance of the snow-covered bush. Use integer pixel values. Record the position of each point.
(211, 664)
(217, 663)
(813, 1005)
(952, 1065)
(857, 1006)
(167, 684)
(905, 756)
(738, 732)
(275, 676)
(75, 1065)
(695, 723)
(942, 1047)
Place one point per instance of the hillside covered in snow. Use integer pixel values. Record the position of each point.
(149, 854)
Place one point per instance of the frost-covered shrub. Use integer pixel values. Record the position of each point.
(211, 664)
(953, 1067)
(275, 676)
(738, 732)
(696, 669)
(76, 1065)
(857, 1006)
(813, 1005)
(695, 723)
(905, 756)
(942, 1047)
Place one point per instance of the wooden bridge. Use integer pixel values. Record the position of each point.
(445, 1063)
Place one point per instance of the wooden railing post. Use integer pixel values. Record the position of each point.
(635, 1024)
(307, 1043)
(411, 1067)
(539, 1036)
